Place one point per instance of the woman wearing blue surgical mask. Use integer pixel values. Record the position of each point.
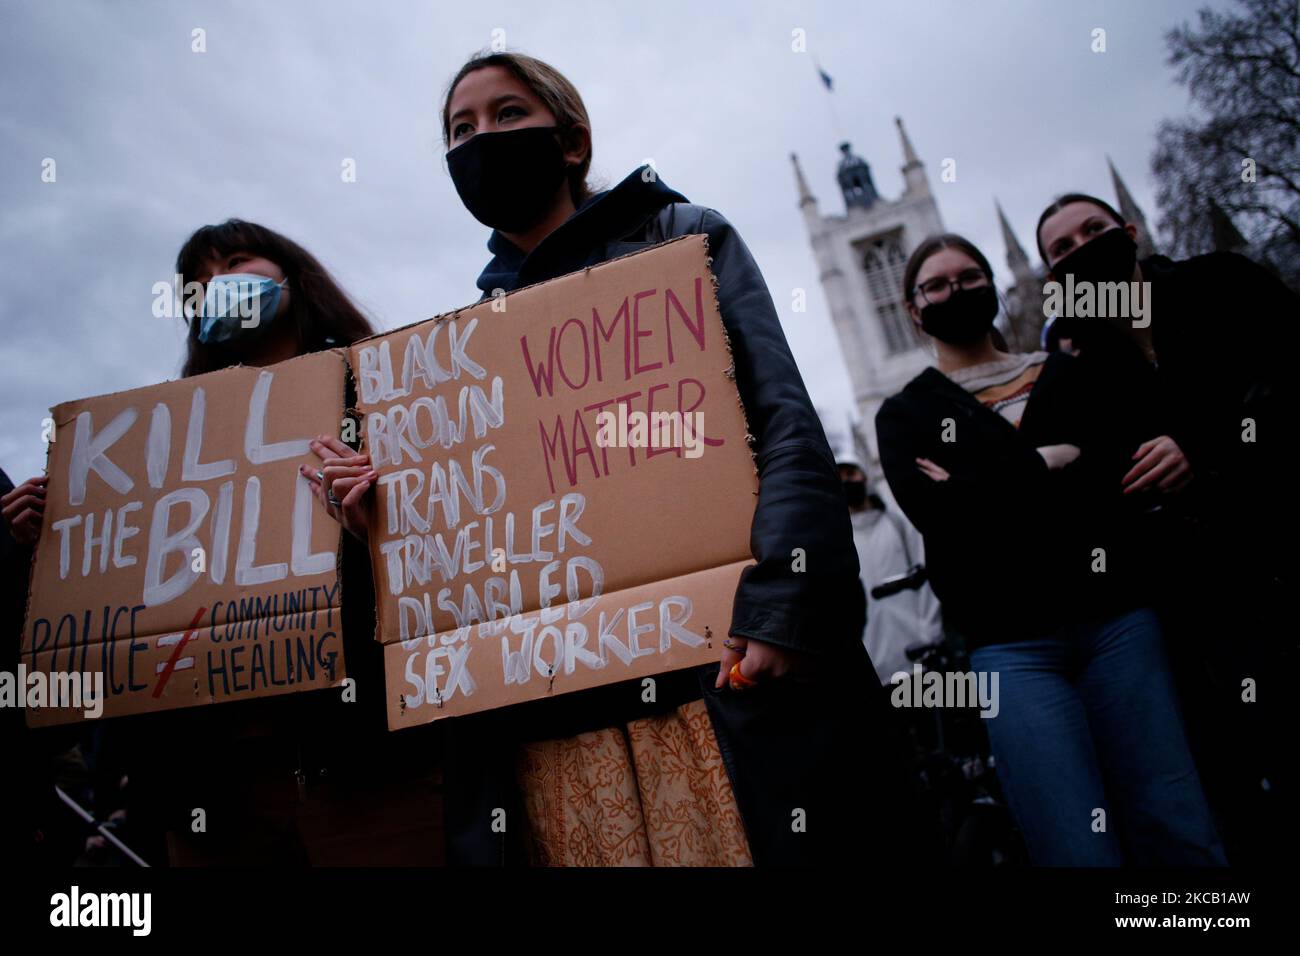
(261, 299)
(265, 299)
(266, 768)
(237, 319)
(236, 302)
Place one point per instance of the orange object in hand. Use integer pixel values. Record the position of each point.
(738, 680)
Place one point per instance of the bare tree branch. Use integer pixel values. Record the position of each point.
(1242, 69)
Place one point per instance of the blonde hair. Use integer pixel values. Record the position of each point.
(551, 87)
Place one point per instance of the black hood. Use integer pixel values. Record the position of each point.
(607, 215)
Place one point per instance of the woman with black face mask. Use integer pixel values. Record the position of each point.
(780, 724)
(1220, 333)
(1034, 553)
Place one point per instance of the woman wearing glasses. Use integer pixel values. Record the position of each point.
(1002, 462)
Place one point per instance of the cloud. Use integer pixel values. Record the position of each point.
(152, 140)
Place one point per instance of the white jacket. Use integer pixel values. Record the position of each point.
(887, 546)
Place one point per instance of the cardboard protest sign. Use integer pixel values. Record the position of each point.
(565, 491)
(182, 558)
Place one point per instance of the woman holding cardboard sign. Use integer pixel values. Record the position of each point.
(777, 739)
(303, 762)
(269, 773)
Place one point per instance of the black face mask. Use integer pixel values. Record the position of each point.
(1108, 257)
(856, 492)
(963, 318)
(507, 180)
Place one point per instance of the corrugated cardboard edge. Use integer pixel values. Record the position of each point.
(363, 447)
(751, 441)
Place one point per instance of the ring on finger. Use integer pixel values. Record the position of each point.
(731, 645)
(738, 680)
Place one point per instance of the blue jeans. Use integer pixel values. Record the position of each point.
(1088, 721)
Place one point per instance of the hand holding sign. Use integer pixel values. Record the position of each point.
(342, 483)
(23, 509)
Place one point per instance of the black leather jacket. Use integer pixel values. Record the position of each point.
(789, 746)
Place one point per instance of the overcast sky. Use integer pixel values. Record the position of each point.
(152, 140)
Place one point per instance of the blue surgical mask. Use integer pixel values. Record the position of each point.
(238, 305)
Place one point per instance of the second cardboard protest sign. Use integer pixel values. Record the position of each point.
(565, 490)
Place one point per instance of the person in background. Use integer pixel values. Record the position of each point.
(890, 552)
(981, 452)
(1218, 336)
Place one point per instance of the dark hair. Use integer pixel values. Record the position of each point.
(1069, 199)
(550, 86)
(323, 314)
(931, 245)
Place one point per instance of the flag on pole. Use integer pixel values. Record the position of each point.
(826, 77)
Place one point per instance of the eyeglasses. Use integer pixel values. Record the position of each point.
(939, 288)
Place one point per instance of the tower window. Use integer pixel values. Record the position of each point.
(883, 262)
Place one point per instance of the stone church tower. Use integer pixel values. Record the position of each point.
(860, 256)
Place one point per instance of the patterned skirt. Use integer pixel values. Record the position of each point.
(653, 792)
